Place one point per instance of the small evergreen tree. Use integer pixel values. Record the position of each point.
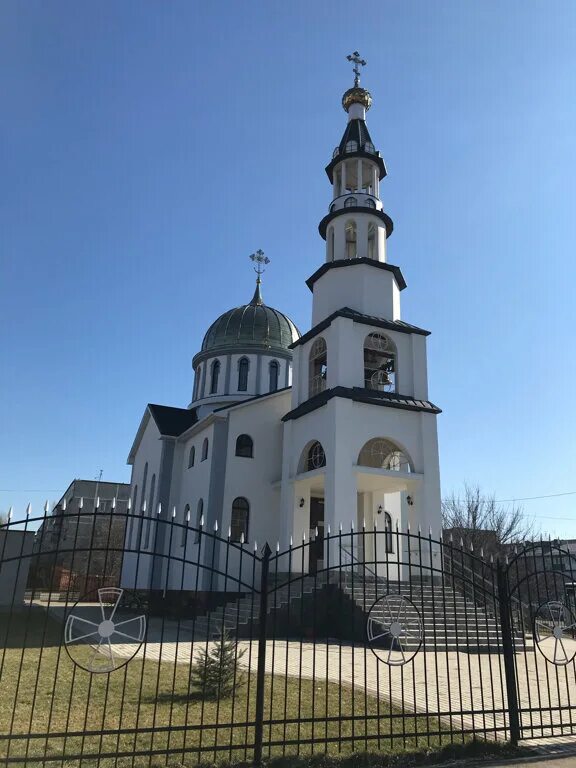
(215, 672)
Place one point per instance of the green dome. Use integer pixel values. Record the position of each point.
(251, 325)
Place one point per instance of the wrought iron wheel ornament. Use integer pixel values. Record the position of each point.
(555, 632)
(92, 631)
(394, 630)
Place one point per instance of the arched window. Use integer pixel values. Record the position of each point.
(316, 458)
(388, 532)
(205, 449)
(350, 202)
(371, 240)
(379, 363)
(185, 521)
(243, 366)
(351, 244)
(273, 373)
(244, 446)
(148, 523)
(382, 453)
(142, 509)
(369, 147)
(332, 208)
(318, 368)
(370, 203)
(214, 374)
(239, 520)
(336, 152)
(199, 519)
(351, 146)
(133, 520)
(191, 457)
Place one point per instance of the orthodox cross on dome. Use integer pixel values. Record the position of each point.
(355, 58)
(260, 260)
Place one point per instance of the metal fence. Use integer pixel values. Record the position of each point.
(194, 647)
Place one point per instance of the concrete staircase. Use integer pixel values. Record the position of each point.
(445, 619)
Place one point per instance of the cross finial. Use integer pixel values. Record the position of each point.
(260, 260)
(355, 57)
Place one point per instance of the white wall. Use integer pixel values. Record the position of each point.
(149, 452)
(361, 287)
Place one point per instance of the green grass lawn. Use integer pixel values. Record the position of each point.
(42, 691)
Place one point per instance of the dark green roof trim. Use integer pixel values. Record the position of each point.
(250, 399)
(361, 395)
(352, 263)
(389, 224)
(172, 421)
(358, 317)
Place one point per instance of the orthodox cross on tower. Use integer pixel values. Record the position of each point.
(355, 58)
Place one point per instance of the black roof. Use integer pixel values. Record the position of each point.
(352, 263)
(172, 421)
(356, 130)
(362, 395)
(359, 317)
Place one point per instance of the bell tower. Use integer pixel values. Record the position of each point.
(361, 435)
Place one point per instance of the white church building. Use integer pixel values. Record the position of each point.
(288, 433)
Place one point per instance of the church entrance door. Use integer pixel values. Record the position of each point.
(316, 539)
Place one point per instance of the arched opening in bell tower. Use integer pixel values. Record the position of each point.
(317, 367)
(351, 239)
(379, 363)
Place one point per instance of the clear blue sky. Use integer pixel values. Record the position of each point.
(146, 148)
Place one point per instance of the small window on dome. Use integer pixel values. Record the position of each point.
(243, 367)
(370, 203)
(369, 147)
(273, 371)
(336, 152)
(350, 202)
(215, 373)
(351, 146)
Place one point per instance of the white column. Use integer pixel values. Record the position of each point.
(343, 190)
(375, 181)
(359, 174)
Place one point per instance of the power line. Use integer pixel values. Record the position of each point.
(533, 498)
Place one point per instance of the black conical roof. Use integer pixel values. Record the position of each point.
(357, 131)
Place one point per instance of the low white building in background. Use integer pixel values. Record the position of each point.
(289, 433)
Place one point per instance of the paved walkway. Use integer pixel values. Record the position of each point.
(465, 690)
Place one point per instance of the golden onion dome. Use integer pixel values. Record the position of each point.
(357, 95)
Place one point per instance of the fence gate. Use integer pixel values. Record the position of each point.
(541, 582)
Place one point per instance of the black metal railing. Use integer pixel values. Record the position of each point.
(156, 640)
